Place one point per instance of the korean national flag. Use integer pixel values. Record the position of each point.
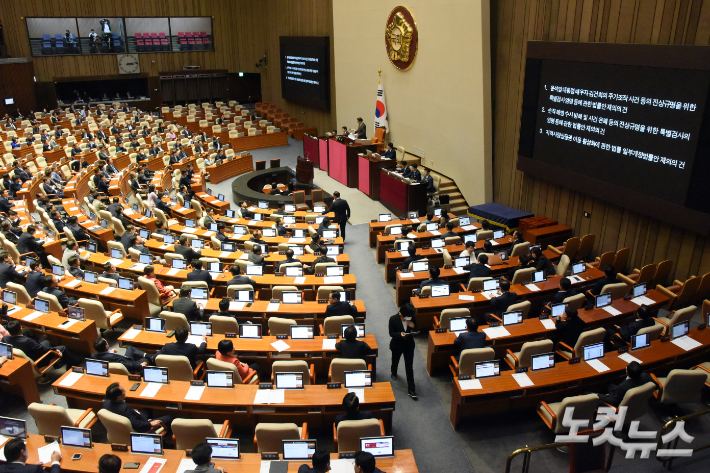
(381, 109)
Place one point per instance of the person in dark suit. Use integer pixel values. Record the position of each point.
(109, 271)
(501, 303)
(361, 131)
(517, 238)
(109, 463)
(5, 205)
(7, 269)
(244, 210)
(280, 229)
(479, 269)
(323, 258)
(413, 256)
(351, 347)
(237, 277)
(185, 251)
(188, 307)
(35, 279)
(16, 459)
(450, 230)
(182, 348)
(9, 232)
(76, 230)
(51, 287)
(202, 458)
(428, 181)
(625, 332)
(338, 307)
(609, 278)
(434, 280)
(341, 209)
(36, 350)
(27, 243)
(74, 269)
(471, 338)
(103, 185)
(569, 327)
(564, 292)
(134, 360)
(127, 235)
(542, 263)
(115, 401)
(401, 326)
(416, 176)
(351, 404)
(113, 206)
(320, 460)
(255, 257)
(390, 153)
(289, 259)
(199, 274)
(635, 377)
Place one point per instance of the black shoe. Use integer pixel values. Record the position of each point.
(393, 377)
(413, 395)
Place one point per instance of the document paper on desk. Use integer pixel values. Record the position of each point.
(115, 262)
(131, 334)
(150, 390)
(234, 305)
(154, 465)
(296, 240)
(32, 316)
(329, 344)
(360, 393)
(464, 297)
(460, 271)
(299, 280)
(280, 345)
(343, 465)
(194, 393)
(548, 323)
(406, 275)
(269, 396)
(640, 300)
(686, 343)
(45, 452)
(435, 232)
(244, 257)
(598, 365)
(523, 380)
(468, 228)
(224, 254)
(185, 465)
(333, 280)
(70, 379)
(195, 339)
(628, 358)
(532, 287)
(496, 332)
(107, 290)
(72, 283)
(611, 310)
(273, 307)
(467, 384)
(172, 272)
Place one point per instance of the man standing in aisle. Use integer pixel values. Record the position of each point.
(402, 329)
(341, 209)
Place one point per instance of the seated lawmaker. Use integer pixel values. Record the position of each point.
(199, 274)
(16, 456)
(181, 348)
(227, 353)
(186, 306)
(115, 402)
(569, 327)
(289, 259)
(365, 463)
(500, 304)
(351, 404)
(390, 152)
(542, 263)
(517, 239)
(238, 278)
(338, 307)
(471, 338)
(434, 280)
(35, 350)
(351, 347)
(202, 458)
(635, 377)
(165, 292)
(52, 287)
(565, 291)
(479, 269)
(609, 278)
(134, 360)
(413, 256)
(323, 258)
(320, 461)
(625, 332)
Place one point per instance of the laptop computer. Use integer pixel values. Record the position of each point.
(458, 324)
(512, 318)
(385, 218)
(75, 313)
(639, 289)
(244, 295)
(420, 266)
(155, 374)
(179, 263)
(16, 428)
(490, 284)
(155, 324)
(6, 350)
(602, 300)
(557, 309)
(42, 305)
(440, 290)
(334, 271)
(254, 270)
(462, 261)
(293, 271)
(639, 341)
(96, 367)
(680, 329)
(201, 328)
(227, 246)
(360, 328)
(292, 297)
(91, 277)
(125, 283)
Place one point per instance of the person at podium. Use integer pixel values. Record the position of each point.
(361, 131)
(345, 131)
(390, 153)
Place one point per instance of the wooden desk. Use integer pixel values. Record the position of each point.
(369, 174)
(386, 242)
(228, 169)
(553, 235)
(264, 140)
(441, 345)
(260, 351)
(79, 337)
(133, 304)
(401, 197)
(377, 228)
(343, 160)
(402, 462)
(16, 377)
(209, 201)
(503, 394)
(428, 308)
(90, 456)
(315, 404)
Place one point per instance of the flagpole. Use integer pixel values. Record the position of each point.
(379, 71)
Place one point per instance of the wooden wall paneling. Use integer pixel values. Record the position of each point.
(638, 21)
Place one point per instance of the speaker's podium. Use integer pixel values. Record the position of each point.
(304, 171)
(343, 158)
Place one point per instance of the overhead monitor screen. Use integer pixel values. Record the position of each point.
(305, 70)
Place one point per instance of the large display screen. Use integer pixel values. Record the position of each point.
(305, 70)
(624, 123)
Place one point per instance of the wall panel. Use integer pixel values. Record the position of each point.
(620, 21)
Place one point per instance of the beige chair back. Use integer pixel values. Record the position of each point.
(218, 365)
(278, 290)
(682, 386)
(617, 290)
(116, 245)
(324, 291)
(179, 367)
(238, 287)
(575, 302)
(190, 432)
(529, 349)
(118, 428)
(94, 310)
(636, 401)
(49, 419)
(562, 265)
(468, 359)
(320, 267)
(22, 296)
(621, 259)
(448, 314)
(269, 437)
(585, 407)
(523, 306)
(571, 247)
(332, 325)
(589, 337)
(169, 257)
(520, 249)
(151, 291)
(654, 332)
(339, 366)
(118, 368)
(476, 283)
(523, 276)
(222, 324)
(280, 326)
(350, 432)
(447, 257)
(54, 304)
(681, 315)
(293, 366)
(663, 270)
(173, 320)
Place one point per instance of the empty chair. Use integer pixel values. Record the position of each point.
(523, 276)
(346, 437)
(465, 366)
(94, 310)
(269, 437)
(190, 432)
(523, 306)
(585, 247)
(338, 367)
(562, 265)
(663, 270)
(520, 249)
(280, 326)
(295, 366)
(589, 337)
(570, 247)
(680, 387)
(332, 325)
(575, 302)
(523, 358)
(475, 283)
(683, 296)
(636, 401)
(617, 290)
(675, 317)
(277, 291)
(552, 414)
(173, 320)
(179, 366)
(50, 418)
(222, 324)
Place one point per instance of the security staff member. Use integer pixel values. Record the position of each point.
(402, 328)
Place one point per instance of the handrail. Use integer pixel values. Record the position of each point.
(668, 427)
(527, 451)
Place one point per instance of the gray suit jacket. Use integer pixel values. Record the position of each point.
(361, 132)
